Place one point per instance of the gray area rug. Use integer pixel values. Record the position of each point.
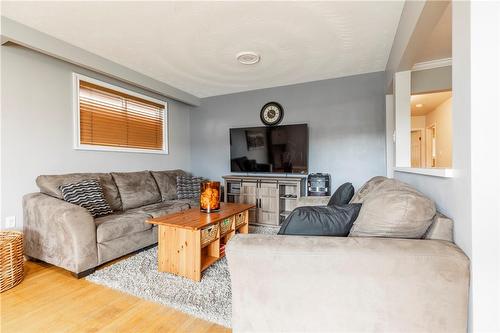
(209, 299)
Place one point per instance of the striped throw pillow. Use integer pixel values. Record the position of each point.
(87, 194)
(188, 187)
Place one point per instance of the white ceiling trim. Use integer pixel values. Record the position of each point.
(432, 64)
(25, 36)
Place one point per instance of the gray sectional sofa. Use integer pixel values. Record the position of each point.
(66, 235)
(379, 283)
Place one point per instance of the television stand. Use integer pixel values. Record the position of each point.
(274, 197)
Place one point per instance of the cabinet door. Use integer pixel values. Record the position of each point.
(248, 195)
(268, 195)
(232, 191)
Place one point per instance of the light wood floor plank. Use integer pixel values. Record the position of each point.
(51, 300)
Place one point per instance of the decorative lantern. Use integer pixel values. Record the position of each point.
(209, 196)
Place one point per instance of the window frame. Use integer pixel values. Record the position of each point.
(76, 117)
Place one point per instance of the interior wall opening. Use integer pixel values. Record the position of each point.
(431, 130)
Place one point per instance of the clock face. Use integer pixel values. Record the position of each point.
(271, 113)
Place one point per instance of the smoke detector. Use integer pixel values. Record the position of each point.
(248, 58)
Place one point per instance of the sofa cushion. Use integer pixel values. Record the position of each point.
(167, 183)
(395, 210)
(87, 194)
(342, 195)
(122, 224)
(119, 247)
(320, 220)
(136, 188)
(163, 208)
(50, 185)
(367, 188)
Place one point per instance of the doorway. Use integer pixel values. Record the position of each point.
(416, 149)
(431, 130)
(430, 134)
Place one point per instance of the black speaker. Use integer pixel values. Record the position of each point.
(318, 184)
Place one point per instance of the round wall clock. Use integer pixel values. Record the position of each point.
(271, 114)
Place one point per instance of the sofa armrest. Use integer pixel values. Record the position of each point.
(348, 284)
(58, 232)
(313, 201)
(440, 229)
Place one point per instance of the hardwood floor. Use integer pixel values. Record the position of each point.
(50, 299)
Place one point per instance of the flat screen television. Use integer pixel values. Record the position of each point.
(277, 149)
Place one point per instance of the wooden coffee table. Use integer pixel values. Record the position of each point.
(191, 241)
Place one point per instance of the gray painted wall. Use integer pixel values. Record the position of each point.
(346, 118)
(37, 128)
(429, 80)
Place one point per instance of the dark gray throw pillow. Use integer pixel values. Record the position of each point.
(342, 195)
(320, 220)
(188, 187)
(87, 194)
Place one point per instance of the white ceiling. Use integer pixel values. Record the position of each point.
(192, 45)
(430, 102)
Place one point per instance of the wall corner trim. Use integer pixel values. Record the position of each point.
(20, 34)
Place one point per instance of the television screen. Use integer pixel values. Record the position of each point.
(277, 149)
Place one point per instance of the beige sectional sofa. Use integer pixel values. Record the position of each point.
(350, 284)
(66, 235)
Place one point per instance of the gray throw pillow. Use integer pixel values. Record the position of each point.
(394, 209)
(188, 187)
(342, 195)
(367, 188)
(320, 220)
(87, 194)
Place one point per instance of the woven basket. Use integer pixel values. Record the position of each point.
(11, 259)
(240, 219)
(225, 226)
(209, 234)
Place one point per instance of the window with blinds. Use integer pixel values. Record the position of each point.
(111, 118)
